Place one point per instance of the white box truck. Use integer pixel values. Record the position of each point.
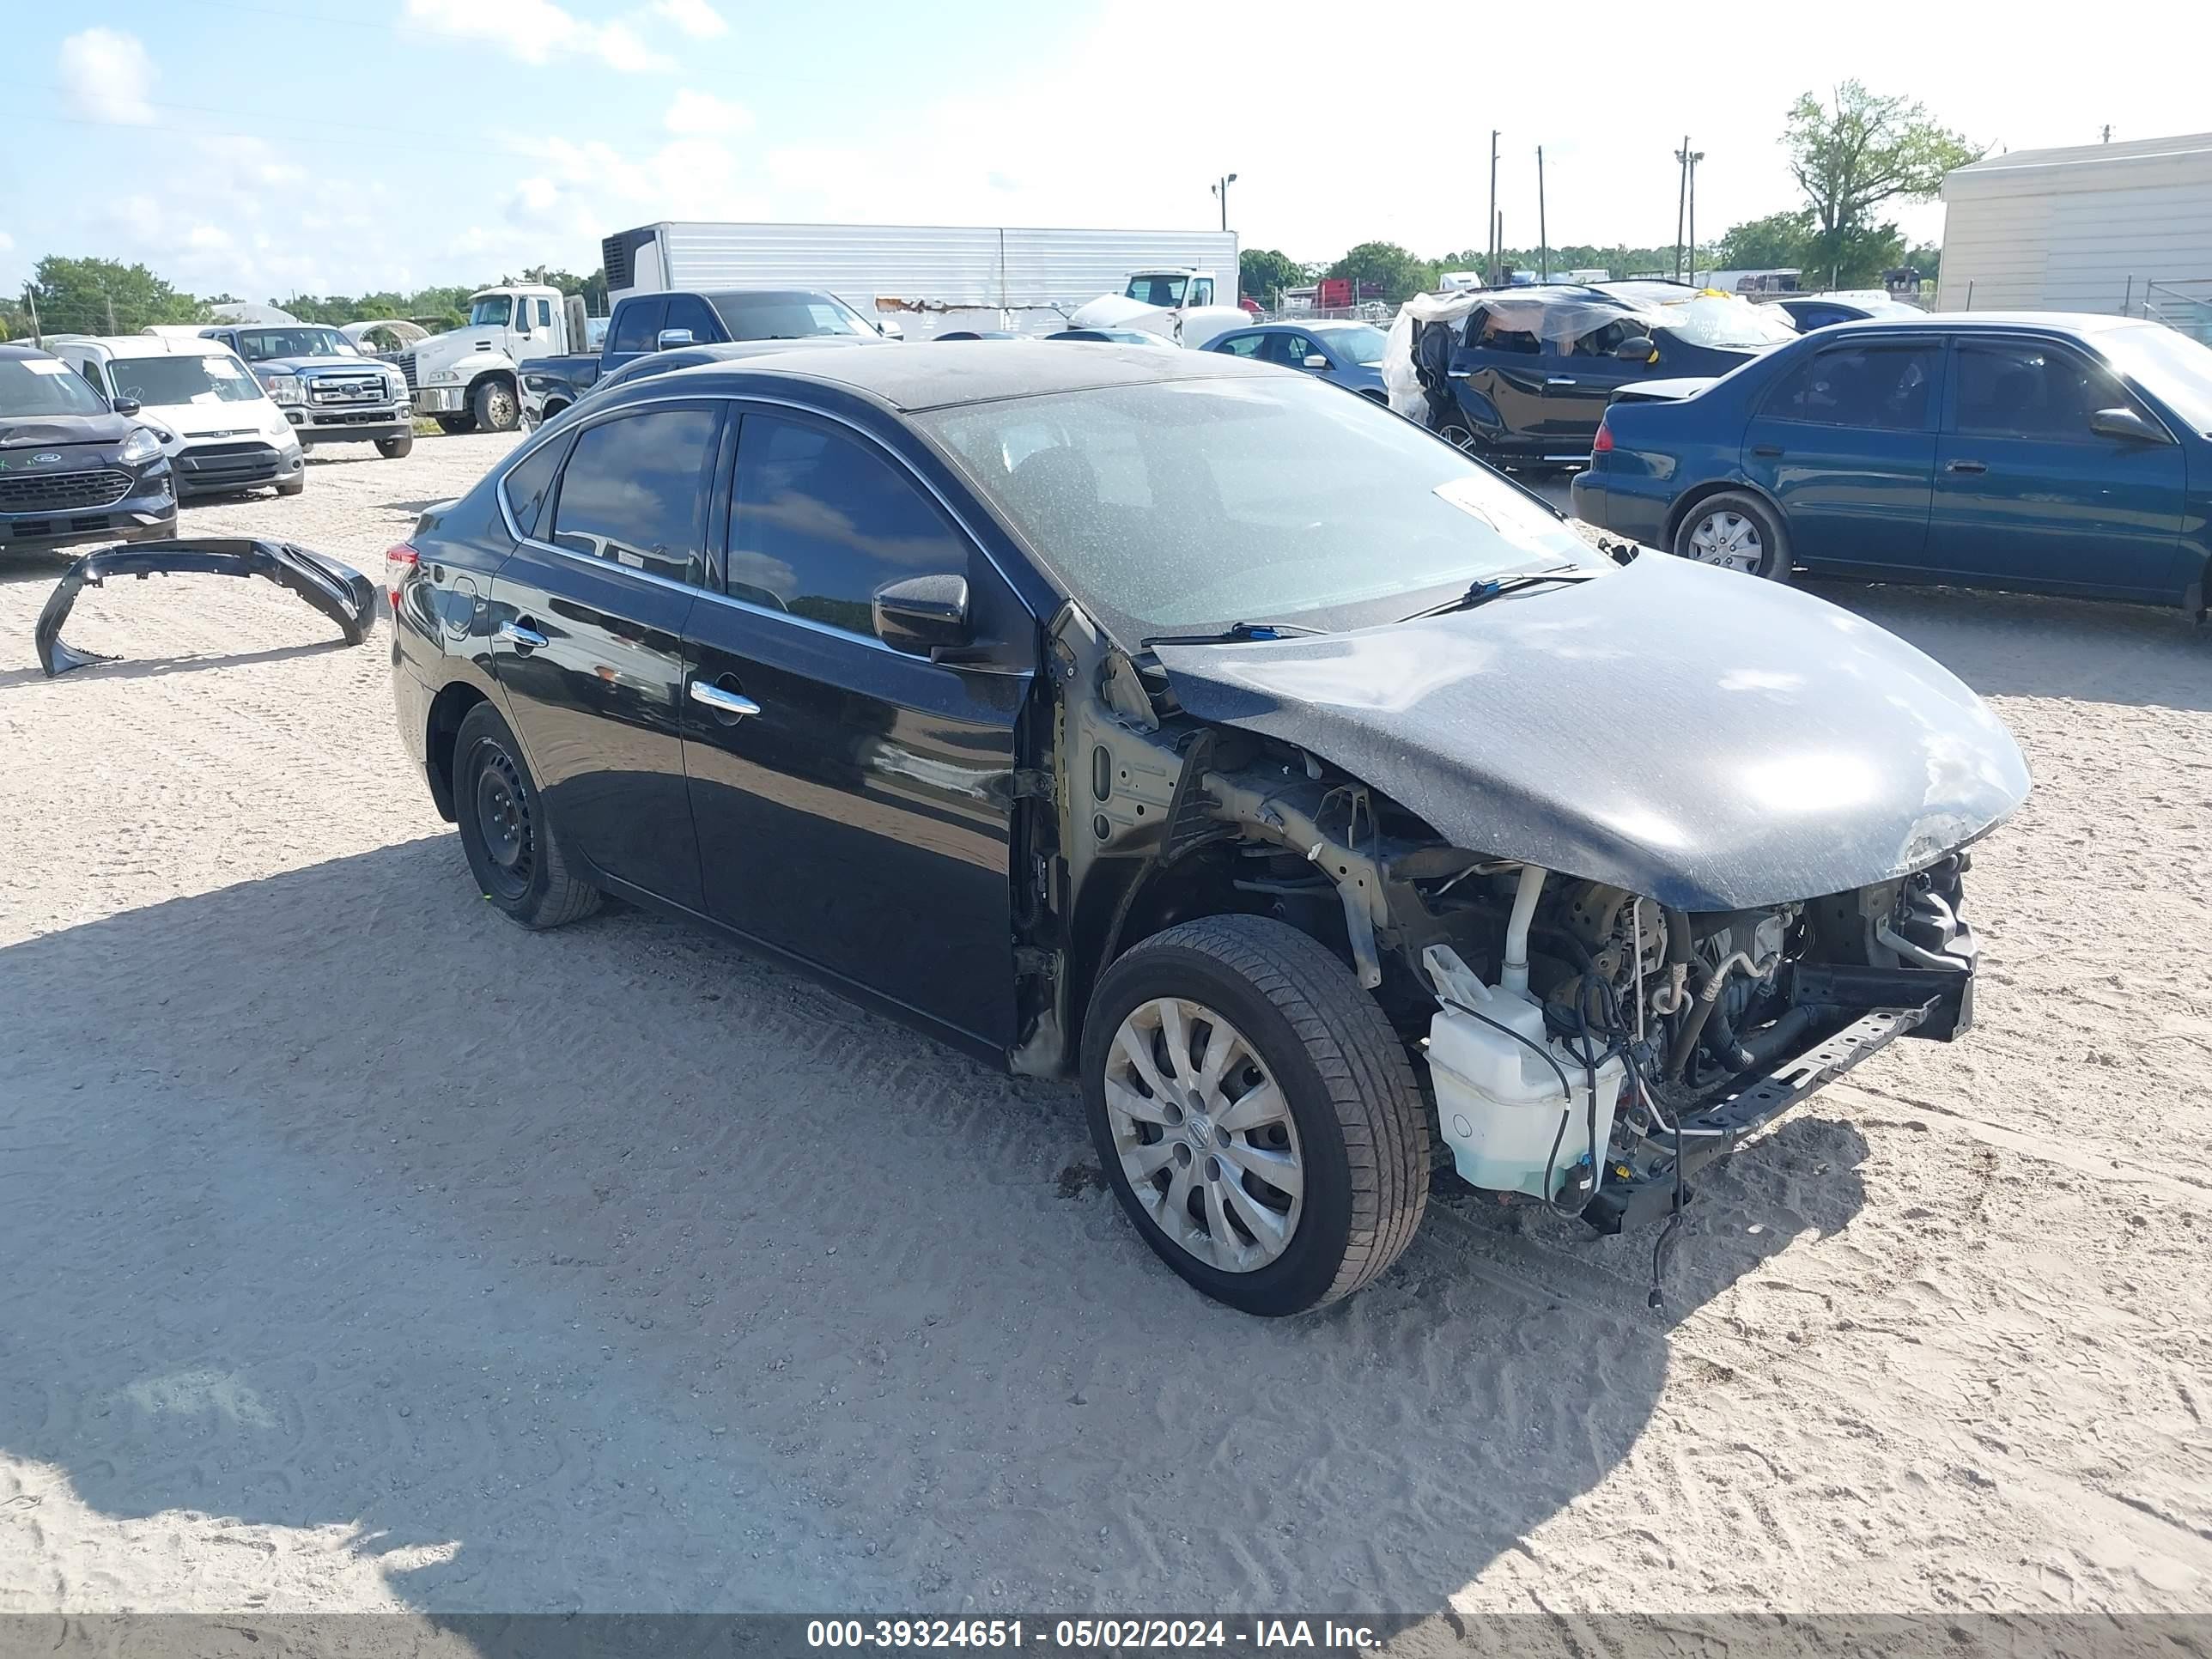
(928, 280)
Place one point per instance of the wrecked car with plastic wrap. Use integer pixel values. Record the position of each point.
(1322, 801)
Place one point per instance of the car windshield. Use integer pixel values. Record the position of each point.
(797, 314)
(491, 310)
(1182, 506)
(1362, 344)
(33, 386)
(2175, 368)
(165, 381)
(1727, 324)
(1156, 290)
(258, 345)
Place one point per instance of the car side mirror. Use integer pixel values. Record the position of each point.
(890, 329)
(2124, 423)
(132, 405)
(1638, 350)
(922, 614)
(1316, 361)
(669, 338)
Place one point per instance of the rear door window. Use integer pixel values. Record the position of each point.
(637, 325)
(1886, 387)
(1242, 345)
(821, 521)
(530, 481)
(1489, 336)
(634, 492)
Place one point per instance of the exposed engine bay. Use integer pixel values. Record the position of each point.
(1584, 1046)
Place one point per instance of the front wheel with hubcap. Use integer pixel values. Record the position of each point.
(392, 448)
(494, 407)
(1255, 1113)
(511, 848)
(1735, 531)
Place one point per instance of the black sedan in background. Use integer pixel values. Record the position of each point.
(75, 468)
(1169, 720)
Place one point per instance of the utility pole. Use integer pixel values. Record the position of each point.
(1490, 272)
(1221, 189)
(110, 298)
(1695, 156)
(1681, 193)
(31, 299)
(1543, 245)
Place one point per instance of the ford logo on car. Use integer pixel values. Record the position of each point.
(46, 458)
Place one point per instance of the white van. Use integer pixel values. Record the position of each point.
(217, 426)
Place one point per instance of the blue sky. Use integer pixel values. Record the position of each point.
(262, 146)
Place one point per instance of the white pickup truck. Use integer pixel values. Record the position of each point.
(467, 379)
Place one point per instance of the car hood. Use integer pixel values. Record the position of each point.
(315, 365)
(1704, 738)
(25, 431)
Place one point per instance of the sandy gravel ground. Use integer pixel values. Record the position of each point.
(359, 1250)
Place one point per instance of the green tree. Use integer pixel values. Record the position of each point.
(593, 287)
(1389, 268)
(1262, 273)
(1852, 155)
(1777, 242)
(104, 296)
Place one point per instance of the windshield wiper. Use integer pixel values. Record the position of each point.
(1484, 592)
(1237, 633)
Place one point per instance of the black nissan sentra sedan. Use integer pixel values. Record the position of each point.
(1310, 792)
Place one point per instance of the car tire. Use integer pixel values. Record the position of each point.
(493, 406)
(1735, 530)
(292, 486)
(392, 448)
(454, 425)
(508, 838)
(1318, 1059)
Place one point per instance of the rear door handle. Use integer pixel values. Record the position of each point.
(1771, 450)
(1559, 380)
(522, 636)
(1966, 466)
(735, 704)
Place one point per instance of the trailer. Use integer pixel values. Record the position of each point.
(2124, 228)
(925, 279)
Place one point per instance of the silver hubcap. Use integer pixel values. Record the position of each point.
(1730, 540)
(1204, 1134)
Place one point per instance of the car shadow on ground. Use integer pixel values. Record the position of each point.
(612, 1269)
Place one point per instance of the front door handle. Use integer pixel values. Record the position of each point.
(735, 704)
(521, 635)
(1771, 452)
(1966, 466)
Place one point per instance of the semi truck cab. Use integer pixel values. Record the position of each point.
(467, 379)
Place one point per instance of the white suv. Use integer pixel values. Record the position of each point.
(218, 426)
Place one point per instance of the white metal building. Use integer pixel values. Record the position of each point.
(2093, 227)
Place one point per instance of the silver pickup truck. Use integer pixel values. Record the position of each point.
(328, 392)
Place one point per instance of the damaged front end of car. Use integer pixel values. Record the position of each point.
(335, 589)
(1611, 963)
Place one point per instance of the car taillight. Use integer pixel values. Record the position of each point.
(399, 563)
(1602, 443)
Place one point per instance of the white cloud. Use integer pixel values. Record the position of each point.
(107, 75)
(695, 17)
(537, 31)
(704, 115)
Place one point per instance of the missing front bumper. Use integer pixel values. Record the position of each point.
(1877, 1005)
(338, 589)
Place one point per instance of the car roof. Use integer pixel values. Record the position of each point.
(148, 345)
(2072, 322)
(22, 349)
(937, 374)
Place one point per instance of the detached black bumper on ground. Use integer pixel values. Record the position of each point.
(338, 590)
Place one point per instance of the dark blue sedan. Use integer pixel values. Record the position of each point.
(1348, 353)
(2044, 452)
